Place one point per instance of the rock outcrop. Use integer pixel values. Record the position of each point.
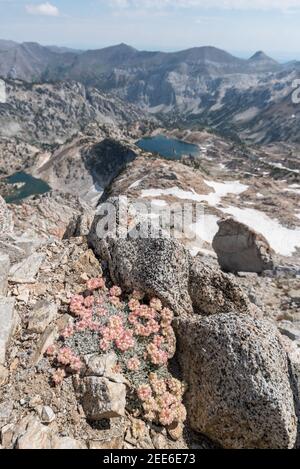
(162, 267)
(4, 271)
(8, 323)
(157, 266)
(241, 249)
(239, 392)
(103, 399)
(213, 292)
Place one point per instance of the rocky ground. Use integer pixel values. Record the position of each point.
(248, 321)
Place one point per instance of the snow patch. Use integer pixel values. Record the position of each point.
(283, 240)
(222, 189)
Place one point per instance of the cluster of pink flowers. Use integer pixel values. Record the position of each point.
(80, 306)
(114, 297)
(167, 317)
(87, 323)
(143, 320)
(133, 364)
(68, 332)
(156, 304)
(115, 292)
(160, 403)
(134, 304)
(157, 355)
(66, 357)
(115, 301)
(95, 284)
(115, 332)
(148, 327)
(144, 392)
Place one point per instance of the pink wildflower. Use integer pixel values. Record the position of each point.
(115, 301)
(77, 306)
(158, 341)
(166, 417)
(68, 332)
(125, 341)
(133, 304)
(67, 358)
(167, 316)
(133, 318)
(51, 351)
(159, 386)
(133, 364)
(105, 345)
(156, 304)
(144, 392)
(89, 301)
(115, 291)
(101, 311)
(95, 283)
(157, 356)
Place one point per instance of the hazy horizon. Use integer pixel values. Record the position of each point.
(240, 27)
(280, 56)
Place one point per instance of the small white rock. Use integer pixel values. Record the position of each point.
(47, 415)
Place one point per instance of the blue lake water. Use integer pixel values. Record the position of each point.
(32, 186)
(169, 148)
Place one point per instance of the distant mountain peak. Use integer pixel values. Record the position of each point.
(260, 56)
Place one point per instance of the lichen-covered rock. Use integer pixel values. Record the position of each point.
(241, 249)
(213, 292)
(239, 391)
(103, 399)
(157, 266)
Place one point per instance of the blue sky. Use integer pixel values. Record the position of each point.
(239, 26)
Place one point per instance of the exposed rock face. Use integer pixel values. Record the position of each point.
(79, 226)
(158, 267)
(4, 271)
(67, 443)
(162, 267)
(35, 436)
(42, 314)
(25, 271)
(103, 399)
(103, 366)
(8, 323)
(213, 292)
(241, 249)
(30, 433)
(52, 113)
(6, 221)
(239, 390)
